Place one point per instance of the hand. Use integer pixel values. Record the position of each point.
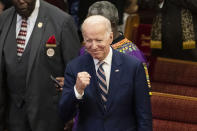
(61, 83)
(69, 125)
(83, 80)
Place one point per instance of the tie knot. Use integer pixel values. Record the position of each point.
(100, 63)
(24, 22)
(24, 19)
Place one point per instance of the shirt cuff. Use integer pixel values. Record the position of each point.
(78, 96)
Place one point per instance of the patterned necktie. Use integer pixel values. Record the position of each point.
(102, 83)
(20, 40)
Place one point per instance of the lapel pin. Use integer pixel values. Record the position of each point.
(40, 24)
(50, 52)
(117, 70)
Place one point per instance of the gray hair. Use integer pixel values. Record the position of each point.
(105, 9)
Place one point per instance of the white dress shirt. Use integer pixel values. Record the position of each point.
(106, 67)
(30, 22)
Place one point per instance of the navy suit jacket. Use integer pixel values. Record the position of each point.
(128, 102)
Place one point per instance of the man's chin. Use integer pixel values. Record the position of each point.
(24, 13)
(95, 56)
(98, 57)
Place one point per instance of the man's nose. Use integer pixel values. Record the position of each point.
(94, 45)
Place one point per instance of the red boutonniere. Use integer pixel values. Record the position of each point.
(51, 42)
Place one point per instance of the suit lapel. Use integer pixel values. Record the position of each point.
(10, 45)
(36, 37)
(114, 78)
(5, 29)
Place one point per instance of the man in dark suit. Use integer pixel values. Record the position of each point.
(36, 42)
(107, 88)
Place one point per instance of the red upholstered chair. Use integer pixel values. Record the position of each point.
(143, 38)
(174, 112)
(174, 95)
(174, 71)
(166, 125)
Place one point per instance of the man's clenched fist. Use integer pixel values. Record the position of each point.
(83, 80)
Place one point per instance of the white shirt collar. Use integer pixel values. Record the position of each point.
(107, 59)
(34, 14)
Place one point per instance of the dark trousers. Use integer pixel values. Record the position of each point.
(17, 119)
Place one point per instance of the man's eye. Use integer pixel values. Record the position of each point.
(99, 40)
(88, 41)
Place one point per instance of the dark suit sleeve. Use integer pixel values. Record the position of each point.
(68, 103)
(142, 101)
(187, 4)
(3, 96)
(2, 106)
(2, 85)
(1, 25)
(69, 40)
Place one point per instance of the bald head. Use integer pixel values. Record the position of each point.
(95, 21)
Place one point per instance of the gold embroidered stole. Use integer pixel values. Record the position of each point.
(188, 34)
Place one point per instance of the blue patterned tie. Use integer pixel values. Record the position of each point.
(102, 83)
